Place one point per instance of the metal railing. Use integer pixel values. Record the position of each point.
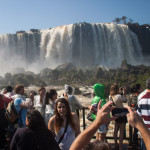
(129, 137)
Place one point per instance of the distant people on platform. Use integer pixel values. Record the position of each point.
(39, 101)
(21, 104)
(99, 91)
(35, 137)
(144, 108)
(64, 124)
(73, 100)
(50, 103)
(118, 97)
(133, 103)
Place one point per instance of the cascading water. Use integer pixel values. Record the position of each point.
(82, 44)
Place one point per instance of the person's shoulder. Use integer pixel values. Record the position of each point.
(18, 101)
(71, 96)
(118, 96)
(141, 95)
(95, 99)
(22, 130)
(52, 119)
(74, 115)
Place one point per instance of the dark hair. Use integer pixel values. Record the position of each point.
(58, 119)
(135, 88)
(148, 83)
(49, 95)
(18, 88)
(32, 92)
(9, 88)
(35, 120)
(97, 145)
(41, 88)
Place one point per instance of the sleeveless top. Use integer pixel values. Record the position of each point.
(68, 139)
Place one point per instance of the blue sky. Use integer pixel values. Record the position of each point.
(16, 15)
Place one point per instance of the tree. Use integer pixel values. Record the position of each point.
(124, 18)
(130, 21)
(8, 77)
(117, 20)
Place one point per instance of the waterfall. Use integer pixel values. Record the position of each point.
(82, 44)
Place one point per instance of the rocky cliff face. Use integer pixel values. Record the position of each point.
(143, 34)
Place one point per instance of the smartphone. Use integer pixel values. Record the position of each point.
(119, 112)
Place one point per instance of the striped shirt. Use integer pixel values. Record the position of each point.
(144, 107)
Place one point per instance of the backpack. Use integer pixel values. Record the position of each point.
(11, 113)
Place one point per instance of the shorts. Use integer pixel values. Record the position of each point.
(121, 120)
(103, 128)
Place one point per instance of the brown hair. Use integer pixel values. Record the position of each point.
(42, 88)
(114, 89)
(97, 145)
(59, 120)
(18, 87)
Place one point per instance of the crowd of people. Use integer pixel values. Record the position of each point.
(47, 121)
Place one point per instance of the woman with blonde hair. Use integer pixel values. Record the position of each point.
(64, 125)
(118, 97)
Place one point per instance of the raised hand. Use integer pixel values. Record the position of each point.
(133, 118)
(103, 113)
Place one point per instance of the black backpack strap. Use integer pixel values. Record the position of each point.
(64, 132)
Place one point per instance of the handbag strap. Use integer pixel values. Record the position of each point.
(64, 131)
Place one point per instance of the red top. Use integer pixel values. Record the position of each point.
(3, 100)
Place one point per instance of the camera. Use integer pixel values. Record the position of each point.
(119, 112)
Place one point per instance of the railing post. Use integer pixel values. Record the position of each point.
(77, 112)
(131, 135)
(83, 113)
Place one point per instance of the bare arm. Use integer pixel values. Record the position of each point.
(51, 125)
(26, 104)
(136, 121)
(102, 118)
(77, 124)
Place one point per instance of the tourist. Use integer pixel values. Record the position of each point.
(136, 121)
(35, 136)
(118, 99)
(64, 125)
(39, 101)
(144, 108)
(133, 102)
(73, 100)
(133, 98)
(9, 91)
(99, 91)
(21, 104)
(3, 121)
(31, 96)
(50, 102)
